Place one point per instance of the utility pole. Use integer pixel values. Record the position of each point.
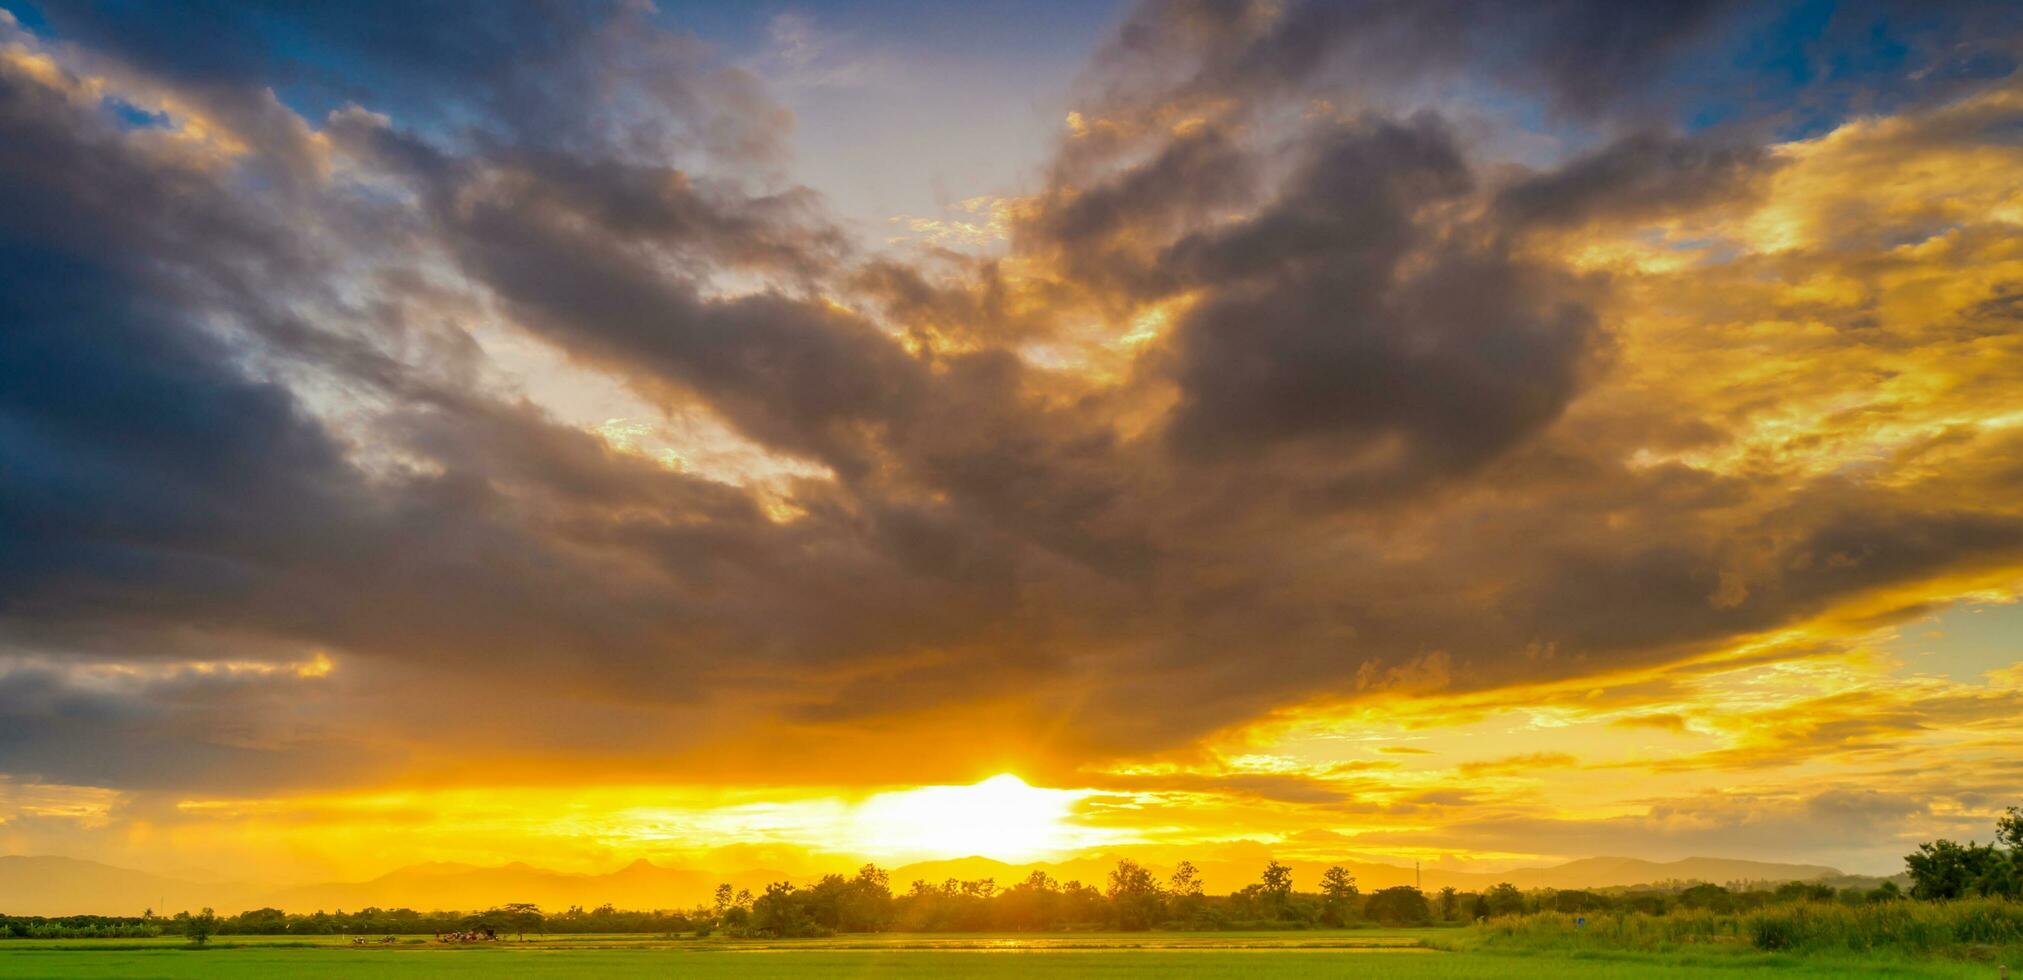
(1417, 884)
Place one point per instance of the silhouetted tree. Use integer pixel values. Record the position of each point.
(733, 910)
(1575, 900)
(1185, 887)
(520, 917)
(1081, 903)
(1338, 896)
(198, 928)
(1398, 905)
(783, 911)
(1031, 905)
(1708, 896)
(867, 903)
(1944, 869)
(257, 922)
(1135, 896)
(1803, 891)
(1504, 899)
(1275, 889)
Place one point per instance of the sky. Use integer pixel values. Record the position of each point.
(783, 435)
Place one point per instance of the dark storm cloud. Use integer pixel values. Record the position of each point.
(1616, 597)
(1639, 176)
(175, 730)
(1341, 315)
(790, 371)
(607, 259)
(1309, 331)
(130, 437)
(1746, 68)
(1193, 172)
(1099, 230)
(1583, 56)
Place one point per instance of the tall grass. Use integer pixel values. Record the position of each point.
(1612, 930)
(1962, 928)
(1917, 928)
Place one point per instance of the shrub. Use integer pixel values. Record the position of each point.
(1917, 929)
(198, 928)
(1772, 932)
(1398, 906)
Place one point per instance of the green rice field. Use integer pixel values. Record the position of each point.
(1403, 954)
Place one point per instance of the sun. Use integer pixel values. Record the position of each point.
(1000, 818)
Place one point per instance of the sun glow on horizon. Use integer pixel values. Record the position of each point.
(1001, 817)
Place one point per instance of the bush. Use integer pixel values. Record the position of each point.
(1918, 929)
(1772, 932)
(1636, 931)
(198, 928)
(1398, 906)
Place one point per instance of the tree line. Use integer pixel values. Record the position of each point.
(1131, 898)
(1944, 869)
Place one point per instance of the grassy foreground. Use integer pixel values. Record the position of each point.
(1401, 954)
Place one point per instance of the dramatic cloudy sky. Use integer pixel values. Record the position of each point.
(573, 432)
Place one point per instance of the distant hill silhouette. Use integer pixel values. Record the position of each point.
(66, 886)
(70, 886)
(639, 885)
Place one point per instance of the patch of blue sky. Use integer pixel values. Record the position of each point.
(1710, 250)
(1963, 642)
(1512, 125)
(131, 116)
(26, 14)
(1794, 71)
